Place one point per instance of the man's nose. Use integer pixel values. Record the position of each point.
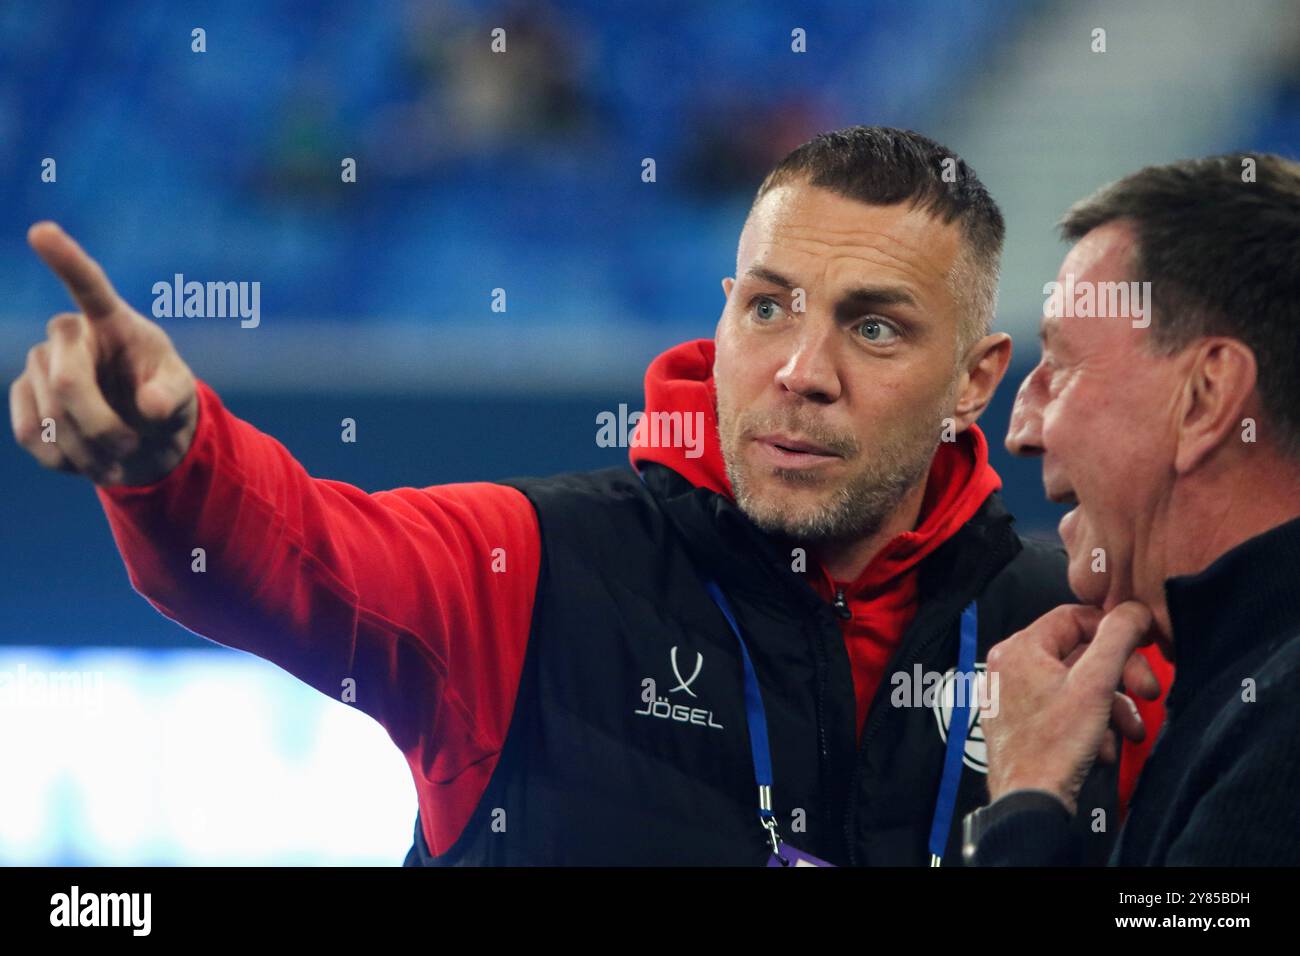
(809, 370)
(1024, 433)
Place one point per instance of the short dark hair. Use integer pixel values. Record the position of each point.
(883, 166)
(1219, 240)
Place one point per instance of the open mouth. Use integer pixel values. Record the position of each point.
(1066, 496)
(1063, 497)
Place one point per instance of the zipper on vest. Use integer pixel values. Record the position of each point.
(920, 645)
(841, 606)
(823, 764)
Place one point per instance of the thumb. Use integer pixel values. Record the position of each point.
(164, 394)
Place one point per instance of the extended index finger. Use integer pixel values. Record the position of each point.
(1118, 636)
(1066, 628)
(82, 275)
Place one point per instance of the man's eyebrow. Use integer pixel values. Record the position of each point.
(767, 275)
(878, 296)
(860, 296)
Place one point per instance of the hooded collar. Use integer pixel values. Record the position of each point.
(681, 381)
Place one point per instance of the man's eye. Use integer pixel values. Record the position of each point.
(766, 309)
(878, 331)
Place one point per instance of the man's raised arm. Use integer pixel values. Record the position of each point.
(413, 604)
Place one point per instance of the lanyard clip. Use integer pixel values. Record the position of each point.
(769, 824)
(768, 819)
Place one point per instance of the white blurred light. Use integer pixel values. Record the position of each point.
(190, 757)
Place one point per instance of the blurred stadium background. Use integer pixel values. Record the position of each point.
(475, 171)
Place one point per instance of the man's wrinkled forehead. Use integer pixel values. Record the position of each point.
(1103, 254)
(827, 237)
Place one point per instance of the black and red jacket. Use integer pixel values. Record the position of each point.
(502, 633)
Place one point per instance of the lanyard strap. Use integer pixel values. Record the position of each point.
(756, 717)
(958, 728)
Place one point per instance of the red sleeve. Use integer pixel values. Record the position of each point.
(418, 601)
(1134, 756)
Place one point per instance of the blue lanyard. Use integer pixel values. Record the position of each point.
(756, 717)
(958, 727)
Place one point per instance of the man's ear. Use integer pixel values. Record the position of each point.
(727, 285)
(986, 363)
(1216, 394)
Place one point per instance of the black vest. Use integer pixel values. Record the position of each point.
(628, 742)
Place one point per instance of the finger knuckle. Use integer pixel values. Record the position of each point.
(36, 356)
(47, 457)
(64, 383)
(60, 320)
(27, 433)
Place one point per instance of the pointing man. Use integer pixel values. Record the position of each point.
(692, 660)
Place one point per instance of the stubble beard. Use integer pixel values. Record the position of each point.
(852, 509)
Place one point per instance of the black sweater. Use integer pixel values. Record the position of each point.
(1222, 786)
